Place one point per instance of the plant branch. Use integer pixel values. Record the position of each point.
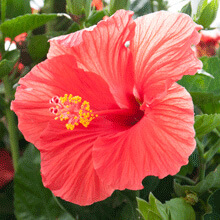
(12, 125)
(202, 169)
(188, 180)
(212, 151)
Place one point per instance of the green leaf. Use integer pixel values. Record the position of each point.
(115, 5)
(211, 181)
(214, 149)
(180, 209)
(72, 28)
(187, 9)
(95, 17)
(206, 123)
(32, 200)
(8, 62)
(3, 6)
(78, 7)
(5, 67)
(38, 47)
(25, 23)
(174, 209)
(187, 169)
(149, 209)
(202, 4)
(205, 90)
(12, 55)
(143, 207)
(194, 158)
(152, 215)
(153, 209)
(121, 206)
(17, 7)
(203, 83)
(207, 102)
(207, 13)
(214, 201)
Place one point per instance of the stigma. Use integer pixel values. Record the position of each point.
(73, 110)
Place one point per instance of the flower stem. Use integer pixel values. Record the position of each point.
(188, 180)
(202, 171)
(10, 117)
(12, 130)
(200, 148)
(212, 151)
(138, 193)
(12, 125)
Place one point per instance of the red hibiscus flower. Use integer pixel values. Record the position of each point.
(209, 43)
(105, 110)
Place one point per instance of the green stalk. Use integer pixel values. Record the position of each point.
(10, 117)
(138, 193)
(202, 171)
(188, 180)
(12, 125)
(212, 151)
(13, 136)
(200, 148)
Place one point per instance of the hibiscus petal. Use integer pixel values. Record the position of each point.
(63, 44)
(101, 49)
(162, 52)
(67, 166)
(55, 77)
(159, 144)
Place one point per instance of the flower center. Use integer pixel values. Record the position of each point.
(71, 109)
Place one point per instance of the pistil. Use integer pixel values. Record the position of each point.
(73, 110)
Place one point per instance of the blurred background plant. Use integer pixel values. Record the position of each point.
(26, 26)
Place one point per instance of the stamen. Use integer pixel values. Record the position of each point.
(71, 109)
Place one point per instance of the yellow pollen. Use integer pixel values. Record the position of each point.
(72, 108)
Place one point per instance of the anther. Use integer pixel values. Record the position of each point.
(71, 109)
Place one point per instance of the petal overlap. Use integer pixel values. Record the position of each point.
(66, 163)
(159, 144)
(55, 77)
(101, 49)
(127, 71)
